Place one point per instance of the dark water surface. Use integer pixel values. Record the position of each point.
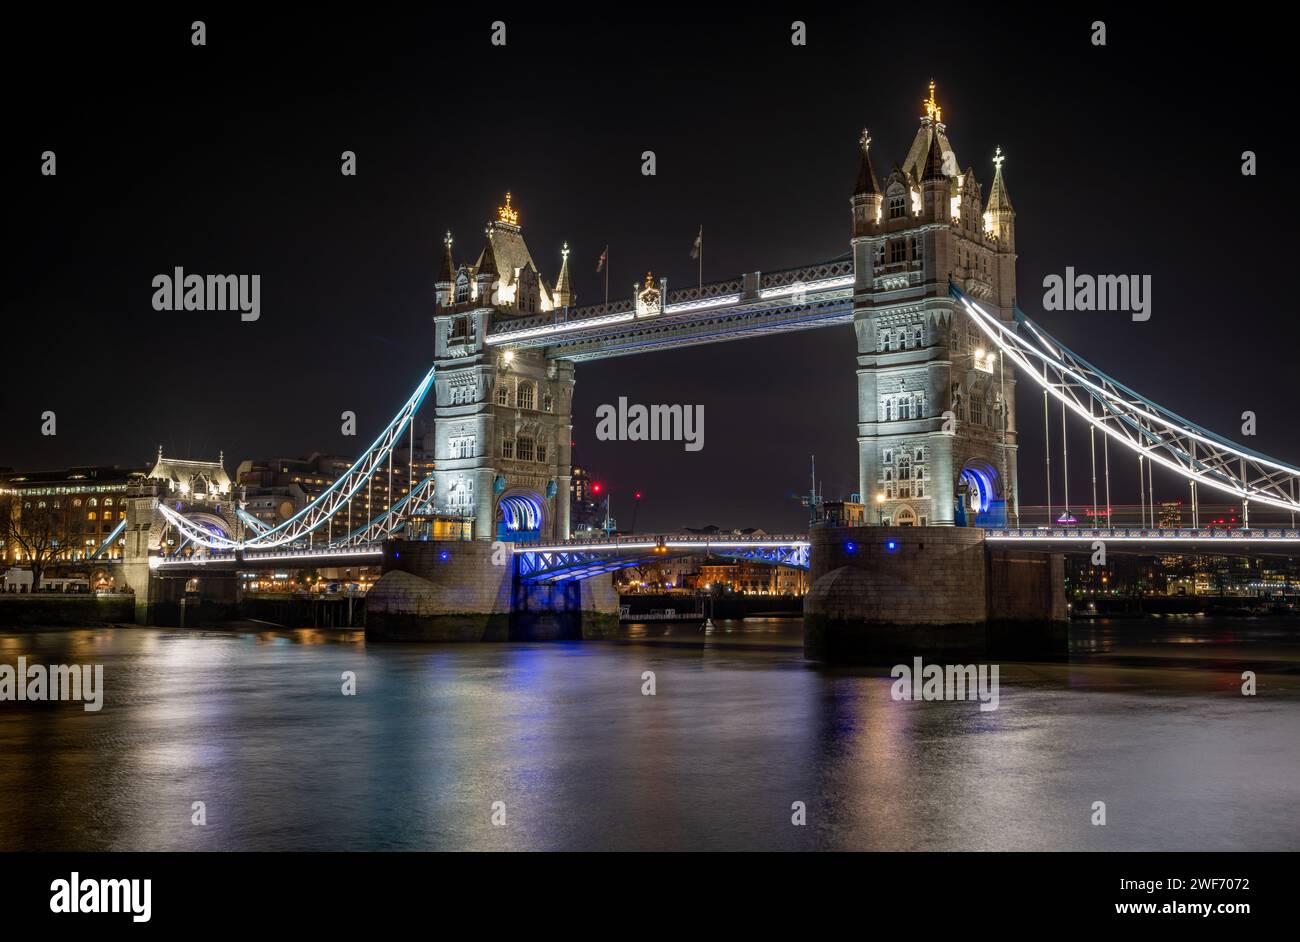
(1148, 717)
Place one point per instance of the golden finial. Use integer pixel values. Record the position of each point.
(932, 109)
(865, 139)
(506, 213)
(565, 251)
(998, 158)
(649, 280)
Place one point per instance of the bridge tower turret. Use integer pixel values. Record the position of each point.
(866, 195)
(444, 289)
(503, 416)
(936, 410)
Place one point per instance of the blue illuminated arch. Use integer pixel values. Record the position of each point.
(981, 483)
(519, 517)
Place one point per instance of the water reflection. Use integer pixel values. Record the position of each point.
(1146, 716)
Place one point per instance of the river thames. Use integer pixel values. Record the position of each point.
(1147, 717)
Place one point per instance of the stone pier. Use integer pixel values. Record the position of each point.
(466, 591)
(889, 593)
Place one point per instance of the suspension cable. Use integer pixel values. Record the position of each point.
(1092, 448)
(1065, 463)
(1047, 449)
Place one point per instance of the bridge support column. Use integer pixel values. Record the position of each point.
(888, 594)
(467, 591)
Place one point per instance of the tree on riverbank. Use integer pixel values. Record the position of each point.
(39, 534)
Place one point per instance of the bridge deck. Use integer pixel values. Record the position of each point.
(755, 304)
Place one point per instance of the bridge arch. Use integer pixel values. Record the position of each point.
(983, 484)
(520, 515)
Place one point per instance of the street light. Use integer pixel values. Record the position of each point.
(880, 507)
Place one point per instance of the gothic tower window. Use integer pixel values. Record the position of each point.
(503, 393)
(525, 396)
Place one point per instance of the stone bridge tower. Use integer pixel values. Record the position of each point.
(202, 492)
(503, 417)
(936, 405)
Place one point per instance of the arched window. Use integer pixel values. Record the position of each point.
(108, 502)
(503, 393)
(525, 396)
(92, 503)
(90, 515)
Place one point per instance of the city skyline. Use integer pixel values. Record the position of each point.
(348, 263)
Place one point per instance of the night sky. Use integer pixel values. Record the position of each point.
(225, 159)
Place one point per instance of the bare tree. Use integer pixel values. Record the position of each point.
(43, 534)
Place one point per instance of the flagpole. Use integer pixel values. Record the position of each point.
(701, 261)
(607, 274)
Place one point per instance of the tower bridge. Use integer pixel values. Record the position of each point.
(928, 285)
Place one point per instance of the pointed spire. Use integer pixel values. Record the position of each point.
(447, 273)
(867, 183)
(934, 160)
(487, 262)
(998, 198)
(563, 283)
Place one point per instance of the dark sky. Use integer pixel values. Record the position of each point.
(1122, 159)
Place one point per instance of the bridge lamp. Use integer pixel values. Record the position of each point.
(891, 546)
(850, 547)
(444, 555)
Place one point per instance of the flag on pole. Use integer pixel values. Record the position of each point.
(699, 243)
(600, 263)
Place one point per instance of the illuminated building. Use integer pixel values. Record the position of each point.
(936, 411)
